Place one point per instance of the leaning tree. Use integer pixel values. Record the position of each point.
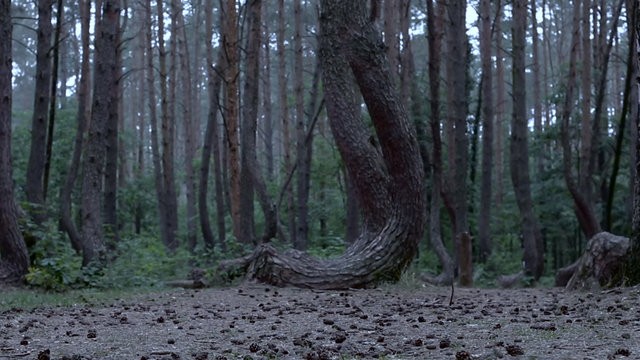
(385, 165)
(14, 258)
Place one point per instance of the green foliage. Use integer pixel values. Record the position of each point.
(55, 265)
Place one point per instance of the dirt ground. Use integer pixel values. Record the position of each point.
(262, 322)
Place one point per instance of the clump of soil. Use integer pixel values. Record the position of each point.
(262, 322)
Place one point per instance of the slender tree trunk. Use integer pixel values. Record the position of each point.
(519, 149)
(167, 89)
(153, 118)
(231, 106)
(52, 103)
(14, 258)
(537, 97)
(95, 153)
(82, 116)
(211, 143)
(435, 29)
(457, 117)
(35, 167)
(188, 109)
(501, 103)
(586, 128)
(484, 221)
(248, 127)
(267, 101)
(112, 137)
(300, 236)
(627, 104)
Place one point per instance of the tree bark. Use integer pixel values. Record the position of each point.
(211, 142)
(14, 259)
(537, 97)
(66, 222)
(484, 221)
(500, 107)
(519, 150)
(231, 106)
(35, 167)
(167, 103)
(435, 28)
(95, 153)
(457, 117)
(350, 46)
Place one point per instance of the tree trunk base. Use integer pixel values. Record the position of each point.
(601, 265)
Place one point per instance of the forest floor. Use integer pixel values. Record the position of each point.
(393, 322)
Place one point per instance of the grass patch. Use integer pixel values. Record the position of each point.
(26, 299)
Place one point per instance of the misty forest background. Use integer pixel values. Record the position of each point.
(218, 122)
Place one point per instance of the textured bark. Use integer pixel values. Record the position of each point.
(435, 27)
(300, 239)
(284, 114)
(582, 206)
(153, 121)
(484, 221)
(169, 199)
(457, 117)
(500, 107)
(391, 36)
(189, 120)
(519, 150)
(14, 259)
(95, 152)
(231, 106)
(57, 43)
(111, 169)
(627, 104)
(267, 100)
(66, 222)
(601, 263)
(349, 42)
(537, 97)
(35, 167)
(211, 141)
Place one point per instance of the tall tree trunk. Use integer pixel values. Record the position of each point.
(53, 97)
(266, 101)
(35, 167)
(169, 197)
(627, 104)
(249, 125)
(14, 259)
(231, 106)
(189, 124)
(82, 116)
(435, 28)
(501, 103)
(633, 259)
(484, 221)
(211, 141)
(301, 232)
(537, 97)
(153, 118)
(112, 137)
(519, 149)
(457, 117)
(94, 160)
(350, 45)
(284, 114)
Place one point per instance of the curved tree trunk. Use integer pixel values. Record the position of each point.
(14, 259)
(66, 222)
(351, 46)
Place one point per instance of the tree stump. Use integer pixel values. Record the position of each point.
(601, 263)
